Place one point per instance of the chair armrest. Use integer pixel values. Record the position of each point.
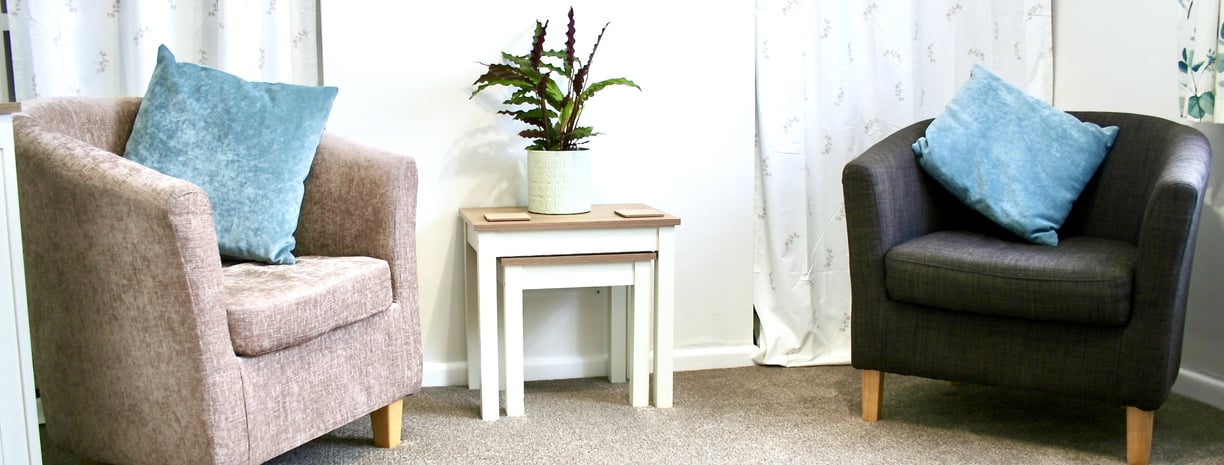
(1170, 221)
(124, 289)
(1167, 238)
(888, 201)
(361, 201)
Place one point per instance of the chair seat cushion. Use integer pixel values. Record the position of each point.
(1083, 280)
(272, 307)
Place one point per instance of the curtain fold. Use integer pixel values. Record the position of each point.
(1201, 77)
(94, 48)
(832, 78)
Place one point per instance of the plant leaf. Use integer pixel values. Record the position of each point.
(554, 94)
(533, 117)
(598, 86)
(583, 132)
(501, 75)
(567, 112)
(520, 99)
(1200, 106)
(537, 44)
(569, 44)
(531, 134)
(501, 72)
(1207, 102)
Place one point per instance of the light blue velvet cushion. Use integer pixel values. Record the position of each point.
(249, 145)
(1012, 157)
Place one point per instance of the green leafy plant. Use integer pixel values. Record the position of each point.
(551, 88)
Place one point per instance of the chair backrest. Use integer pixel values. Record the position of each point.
(104, 122)
(1114, 203)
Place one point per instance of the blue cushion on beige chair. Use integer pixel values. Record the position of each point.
(249, 145)
(1011, 157)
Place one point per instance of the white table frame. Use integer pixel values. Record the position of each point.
(19, 443)
(622, 271)
(598, 232)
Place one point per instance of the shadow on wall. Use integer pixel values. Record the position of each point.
(490, 159)
(1204, 321)
(486, 166)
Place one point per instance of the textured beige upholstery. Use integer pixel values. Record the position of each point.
(137, 325)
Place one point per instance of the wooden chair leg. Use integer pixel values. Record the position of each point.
(388, 422)
(1138, 436)
(873, 393)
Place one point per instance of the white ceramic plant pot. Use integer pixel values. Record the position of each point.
(558, 183)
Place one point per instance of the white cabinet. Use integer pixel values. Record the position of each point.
(18, 418)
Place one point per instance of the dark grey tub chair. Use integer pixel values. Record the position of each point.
(940, 292)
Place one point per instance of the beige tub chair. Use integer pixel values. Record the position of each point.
(148, 349)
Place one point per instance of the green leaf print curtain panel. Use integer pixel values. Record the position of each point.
(833, 78)
(1201, 65)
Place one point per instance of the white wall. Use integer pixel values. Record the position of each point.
(1116, 55)
(684, 145)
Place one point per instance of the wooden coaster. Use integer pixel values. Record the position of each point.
(638, 212)
(513, 216)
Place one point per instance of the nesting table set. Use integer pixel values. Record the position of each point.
(629, 247)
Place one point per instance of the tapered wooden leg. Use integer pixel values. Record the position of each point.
(388, 421)
(873, 392)
(1138, 436)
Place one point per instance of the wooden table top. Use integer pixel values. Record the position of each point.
(8, 108)
(600, 217)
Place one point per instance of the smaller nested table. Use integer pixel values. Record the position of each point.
(602, 242)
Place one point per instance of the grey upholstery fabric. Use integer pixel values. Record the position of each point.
(1147, 195)
(1083, 280)
(128, 305)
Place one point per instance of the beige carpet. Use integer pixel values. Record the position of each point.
(769, 415)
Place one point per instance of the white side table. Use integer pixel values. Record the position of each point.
(601, 231)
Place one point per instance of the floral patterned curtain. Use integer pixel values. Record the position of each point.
(109, 48)
(1200, 37)
(834, 77)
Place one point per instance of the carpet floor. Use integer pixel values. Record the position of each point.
(768, 415)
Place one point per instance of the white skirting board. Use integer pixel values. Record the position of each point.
(701, 358)
(1192, 384)
(1203, 388)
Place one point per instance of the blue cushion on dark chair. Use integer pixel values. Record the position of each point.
(249, 145)
(1012, 157)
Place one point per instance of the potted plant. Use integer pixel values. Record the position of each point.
(551, 89)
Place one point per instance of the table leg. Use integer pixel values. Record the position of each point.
(486, 281)
(471, 315)
(512, 316)
(643, 306)
(618, 311)
(639, 378)
(664, 318)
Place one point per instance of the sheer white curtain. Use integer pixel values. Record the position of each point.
(834, 77)
(109, 48)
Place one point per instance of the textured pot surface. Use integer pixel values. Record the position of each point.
(558, 183)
